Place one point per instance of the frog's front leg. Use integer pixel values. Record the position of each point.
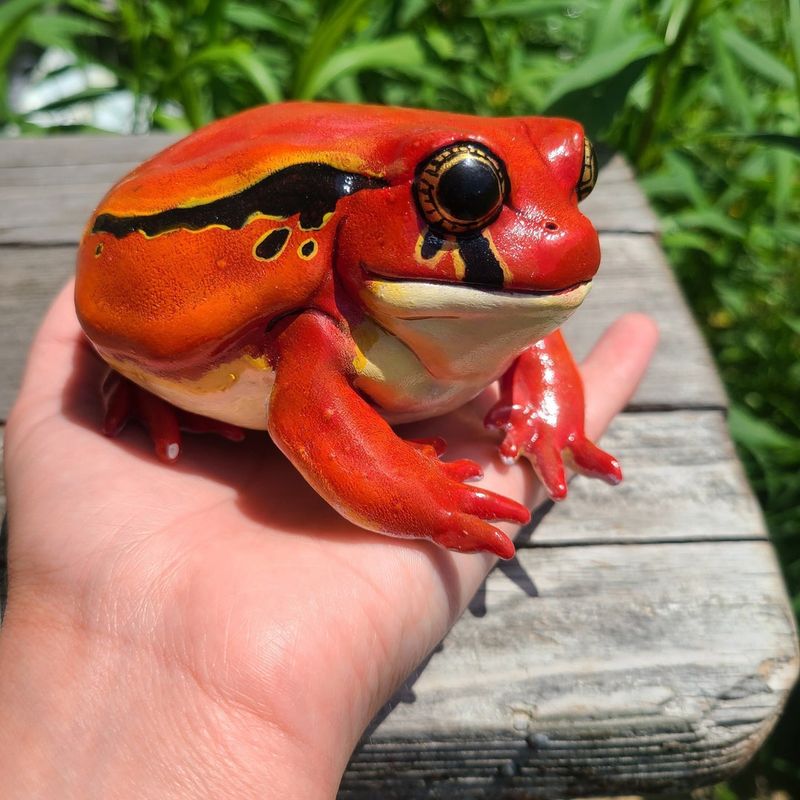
(541, 410)
(351, 456)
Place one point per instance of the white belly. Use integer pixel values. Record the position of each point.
(432, 348)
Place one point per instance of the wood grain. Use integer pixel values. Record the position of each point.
(683, 482)
(634, 276)
(595, 669)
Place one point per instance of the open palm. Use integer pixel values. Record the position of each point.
(224, 595)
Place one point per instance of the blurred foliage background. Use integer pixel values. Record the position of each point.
(703, 96)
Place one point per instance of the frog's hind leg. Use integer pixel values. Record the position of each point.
(124, 401)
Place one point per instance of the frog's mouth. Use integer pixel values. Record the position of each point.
(456, 329)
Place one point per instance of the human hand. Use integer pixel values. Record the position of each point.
(213, 628)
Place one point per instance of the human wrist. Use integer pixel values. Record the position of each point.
(84, 716)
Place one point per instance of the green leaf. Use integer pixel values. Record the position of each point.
(757, 58)
(91, 8)
(240, 55)
(528, 9)
(793, 33)
(592, 71)
(14, 17)
(711, 219)
(60, 30)
(793, 323)
(253, 18)
(12, 11)
(596, 90)
(410, 10)
(329, 32)
(757, 434)
(736, 95)
(401, 53)
(83, 96)
(777, 140)
(611, 25)
(259, 74)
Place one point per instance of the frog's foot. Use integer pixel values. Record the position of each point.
(123, 401)
(541, 412)
(548, 447)
(351, 456)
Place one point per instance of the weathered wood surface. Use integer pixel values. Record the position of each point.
(641, 641)
(599, 669)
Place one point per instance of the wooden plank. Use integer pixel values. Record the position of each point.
(617, 204)
(597, 669)
(58, 151)
(52, 186)
(683, 482)
(29, 277)
(634, 276)
(2, 475)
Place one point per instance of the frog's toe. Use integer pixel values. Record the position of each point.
(195, 423)
(433, 446)
(124, 401)
(548, 464)
(593, 462)
(462, 470)
(466, 534)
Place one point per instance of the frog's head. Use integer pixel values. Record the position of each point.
(479, 222)
(491, 203)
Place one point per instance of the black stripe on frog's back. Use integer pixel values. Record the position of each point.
(311, 190)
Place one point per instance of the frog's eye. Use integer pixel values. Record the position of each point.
(461, 187)
(588, 176)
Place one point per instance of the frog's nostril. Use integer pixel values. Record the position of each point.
(551, 226)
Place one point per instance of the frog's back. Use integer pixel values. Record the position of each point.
(221, 233)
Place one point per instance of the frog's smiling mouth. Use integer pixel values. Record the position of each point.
(378, 277)
(456, 329)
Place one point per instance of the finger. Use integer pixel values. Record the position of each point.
(612, 371)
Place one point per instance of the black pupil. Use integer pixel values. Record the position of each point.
(469, 190)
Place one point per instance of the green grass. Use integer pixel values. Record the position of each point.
(702, 95)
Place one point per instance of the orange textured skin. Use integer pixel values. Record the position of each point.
(176, 297)
(179, 302)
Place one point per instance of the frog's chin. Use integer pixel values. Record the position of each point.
(457, 329)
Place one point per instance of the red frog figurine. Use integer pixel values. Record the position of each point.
(323, 270)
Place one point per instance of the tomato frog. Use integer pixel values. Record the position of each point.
(323, 271)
